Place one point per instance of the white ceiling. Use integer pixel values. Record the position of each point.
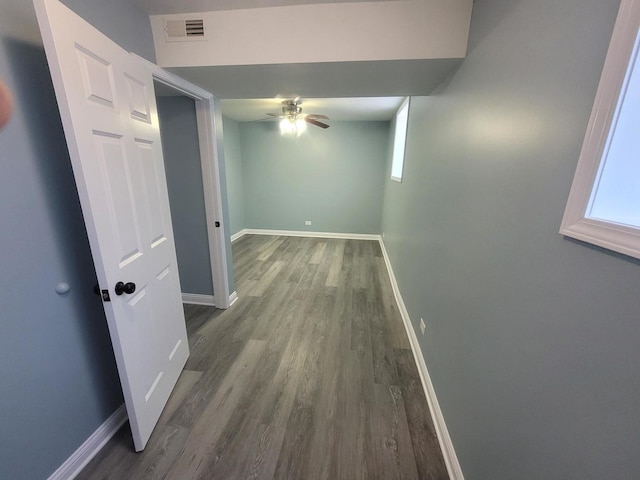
(344, 91)
(165, 7)
(337, 109)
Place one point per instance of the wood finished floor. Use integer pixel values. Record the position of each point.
(309, 375)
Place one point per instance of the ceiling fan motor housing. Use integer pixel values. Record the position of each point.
(292, 113)
(291, 109)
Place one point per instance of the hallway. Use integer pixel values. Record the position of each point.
(308, 376)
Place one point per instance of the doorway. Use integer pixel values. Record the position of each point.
(208, 124)
(181, 153)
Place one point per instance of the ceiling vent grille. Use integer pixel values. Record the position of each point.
(184, 30)
(195, 28)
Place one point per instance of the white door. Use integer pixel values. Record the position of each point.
(107, 104)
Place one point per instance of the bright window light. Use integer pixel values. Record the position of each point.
(399, 141)
(616, 191)
(604, 202)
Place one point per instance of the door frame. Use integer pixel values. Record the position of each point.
(209, 121)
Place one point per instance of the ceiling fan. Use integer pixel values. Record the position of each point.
(292, 120)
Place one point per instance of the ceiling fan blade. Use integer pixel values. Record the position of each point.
(315, 122)
(273, 114)
(317, 115)
(263, 119)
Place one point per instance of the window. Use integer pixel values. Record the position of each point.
(604, 203)
(399, 141)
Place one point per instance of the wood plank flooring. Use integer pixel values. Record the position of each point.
(308, 376)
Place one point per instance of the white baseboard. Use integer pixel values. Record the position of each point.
(233, 298)
(238, 235)
(198, 299)
(448, 452)
(304, 233)
(92, 445)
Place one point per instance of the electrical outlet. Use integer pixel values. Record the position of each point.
(307, 222)
(382, 234)
(422, 326)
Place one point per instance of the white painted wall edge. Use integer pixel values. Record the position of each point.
(198, 299)
(360, 31)
(304, 233)
(446, 445)
(91, 446)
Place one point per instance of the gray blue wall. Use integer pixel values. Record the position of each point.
(59, 380)
(179, 130)
(121, 21)
(235, 185)
(333, 177)
(532, 339)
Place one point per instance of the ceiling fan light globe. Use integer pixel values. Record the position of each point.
(287, 126)
(300, 125)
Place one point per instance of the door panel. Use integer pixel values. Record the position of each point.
(107, 104)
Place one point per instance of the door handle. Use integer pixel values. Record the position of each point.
(122, 287)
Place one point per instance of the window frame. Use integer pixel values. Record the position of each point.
(613, 236)
(405, 103)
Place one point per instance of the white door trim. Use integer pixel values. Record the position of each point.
(209, 119)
